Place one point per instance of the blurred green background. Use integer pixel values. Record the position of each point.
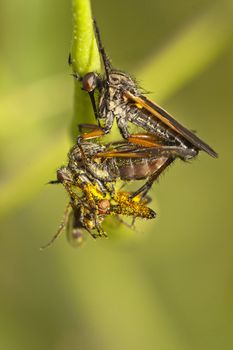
(169, 284)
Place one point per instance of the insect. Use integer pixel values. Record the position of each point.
(120, 98)
(104, 164)
(90, 202)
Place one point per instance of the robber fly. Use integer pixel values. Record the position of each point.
(120, 98)
(103, 165)
(90, 203)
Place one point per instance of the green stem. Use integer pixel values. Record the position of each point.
(84, 58)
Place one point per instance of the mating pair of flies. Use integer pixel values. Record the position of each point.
(93, 168)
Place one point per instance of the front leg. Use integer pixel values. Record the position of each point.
(94, 131)
(87, 127)
(106, 123)
(122, 124)
(97, 220)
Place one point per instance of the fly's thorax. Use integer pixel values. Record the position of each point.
(121, 80)
(112, 98)
(112, 169)
(98, 171)
(75, 154)
(89, 149)
(109, 101)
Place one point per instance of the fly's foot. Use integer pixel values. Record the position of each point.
(100, 234)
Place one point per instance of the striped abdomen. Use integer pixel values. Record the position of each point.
(135, 169)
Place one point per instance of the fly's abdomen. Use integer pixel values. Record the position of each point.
(159, 129)
(134, 169)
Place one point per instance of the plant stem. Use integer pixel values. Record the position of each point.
(84, 58)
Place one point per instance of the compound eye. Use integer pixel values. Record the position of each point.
(89, 81)
(63, 175)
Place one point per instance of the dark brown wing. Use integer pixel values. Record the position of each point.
(167, 119)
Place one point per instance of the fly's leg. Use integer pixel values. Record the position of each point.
(108, 120)
(100, 231)
(96, 132)
(123, 126)
(84, 222)
(131, 226)
(146, 187)
(63, 224)
(109, 186)
(99, 228)
(89, 127)
(106, 61)
(92, 98)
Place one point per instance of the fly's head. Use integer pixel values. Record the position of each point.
(91, 81)
(116, 79)
(64, 175)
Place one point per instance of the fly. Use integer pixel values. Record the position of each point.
(103, 165)
(92, 199)
(120, 98)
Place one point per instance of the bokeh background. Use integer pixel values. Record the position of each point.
(169, 284)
